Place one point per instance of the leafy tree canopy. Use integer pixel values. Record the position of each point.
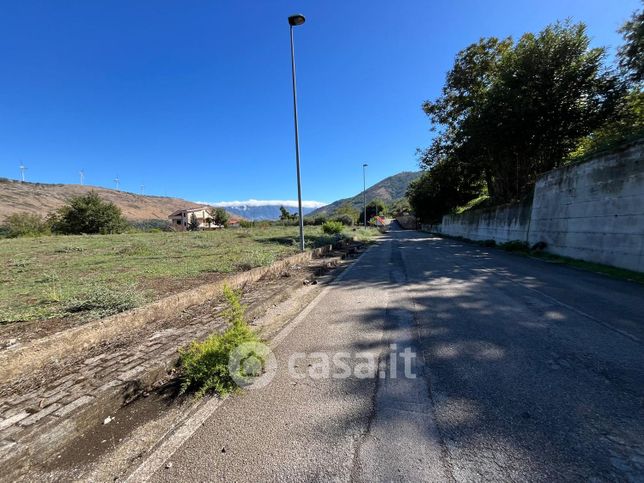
(510, 111)
(88, 214)
(631, 54)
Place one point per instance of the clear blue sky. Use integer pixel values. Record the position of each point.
(193, 99)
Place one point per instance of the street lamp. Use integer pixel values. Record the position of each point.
(293, 21)
(364, 192)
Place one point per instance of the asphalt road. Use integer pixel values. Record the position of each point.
(525, 370)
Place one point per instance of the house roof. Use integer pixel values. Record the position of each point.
(187, 210)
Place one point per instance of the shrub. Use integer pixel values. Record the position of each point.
(346, 220)
(104, 301)
(205, 364)
(245, 223)
(320, 220)
(88, 214)
(25, 224)
(332, 227)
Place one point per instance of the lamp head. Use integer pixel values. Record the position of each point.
(297, 19)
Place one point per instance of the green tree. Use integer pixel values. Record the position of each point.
(285, 215)
(88, 214)
(375, 207)
(631, 54)
(347, 210)
(439, 190)
(193, 224)
(510, 111)
(220, 217)
(25, 224)
(400, 207)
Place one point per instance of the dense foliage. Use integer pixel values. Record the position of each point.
(88, 214)
(25, 224)
(631, 54)
(374, 208)
(510, 111)
(332, 227)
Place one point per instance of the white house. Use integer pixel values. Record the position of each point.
(180, 219)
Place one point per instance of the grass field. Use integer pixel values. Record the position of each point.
(94, 276)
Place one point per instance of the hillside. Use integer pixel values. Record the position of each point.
(388, 190)
(43, 198)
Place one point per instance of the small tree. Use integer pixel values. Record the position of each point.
(88, 214)
(220, 217)
(285, 215)
(193, 224)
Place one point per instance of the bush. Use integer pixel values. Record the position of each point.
(245, 223)
(205, 364)
(332, 227)
(320, 220)
(346, 220)
(104, 301)
(25, 224)
(88, 214)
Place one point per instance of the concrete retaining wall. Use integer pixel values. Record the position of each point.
(593, 211)
(502, 223)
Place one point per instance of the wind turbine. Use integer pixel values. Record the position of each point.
(117, 181)
(142, 189)
(82, 176)
(23, 168)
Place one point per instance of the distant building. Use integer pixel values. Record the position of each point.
(180, 219)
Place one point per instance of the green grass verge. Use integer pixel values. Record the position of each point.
(90, 276)
(614, 272)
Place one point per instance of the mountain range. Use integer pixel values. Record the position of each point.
(388, 190)
(263, 212)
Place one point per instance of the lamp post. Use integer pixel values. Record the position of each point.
(293, 21)
(364, 192)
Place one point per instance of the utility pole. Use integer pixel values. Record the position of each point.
(23, 168)
(364, 192)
